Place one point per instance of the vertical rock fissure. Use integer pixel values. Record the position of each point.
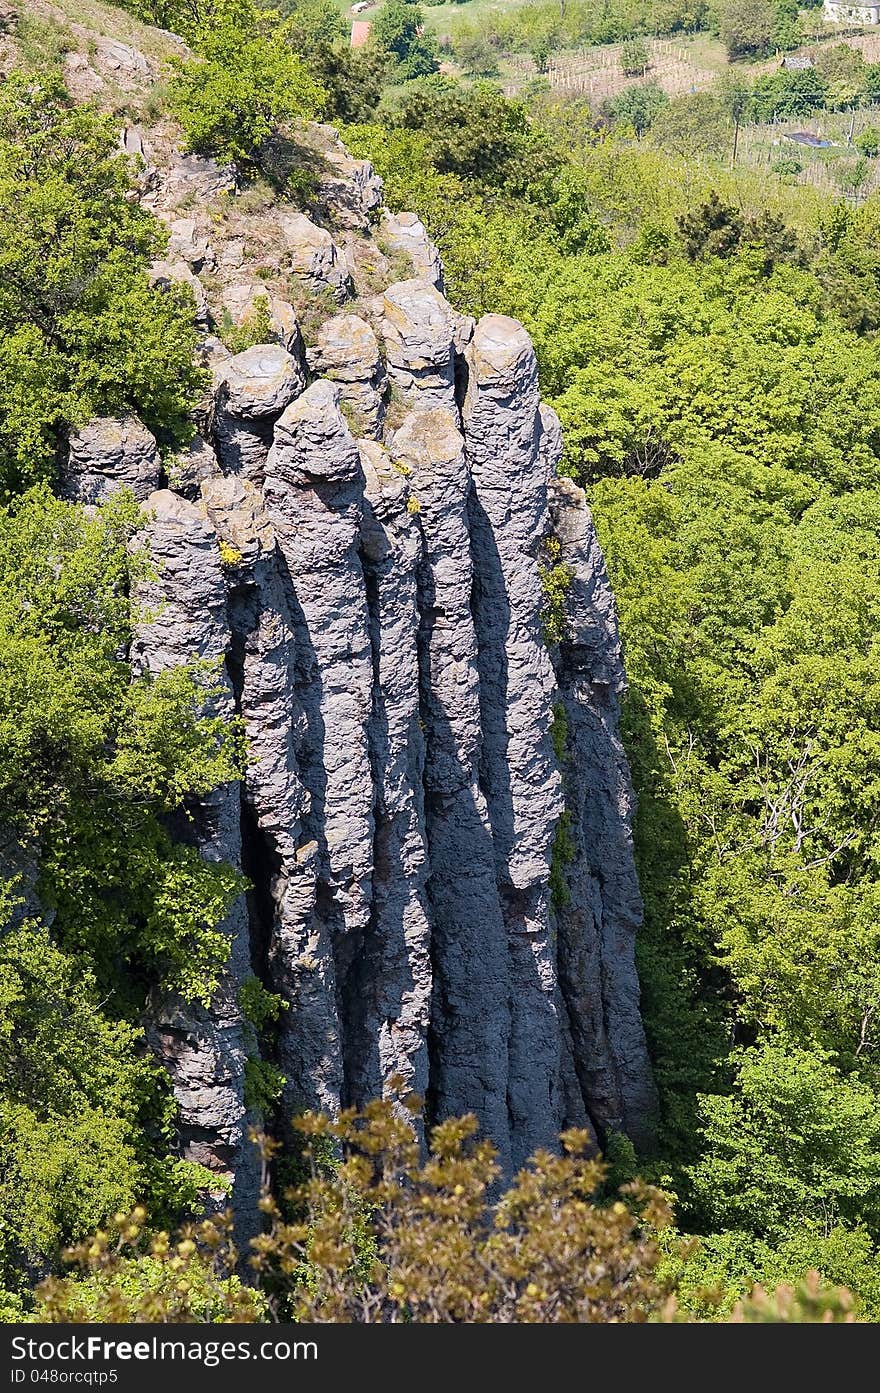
(261, 861)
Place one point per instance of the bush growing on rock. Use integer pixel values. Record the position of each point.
(81, 332)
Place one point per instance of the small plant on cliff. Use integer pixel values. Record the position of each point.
(556, 579)
(230, 556)
(263, 1085)
(559, 731)
(561, 857)
(255, 327)
(259, 1006)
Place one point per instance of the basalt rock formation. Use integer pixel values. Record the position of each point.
(435, 819)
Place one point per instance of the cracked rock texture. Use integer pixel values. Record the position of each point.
(358, 535)
(347, 351)
(253, 388)
(406, 233)
(109, 454)
(314, 256)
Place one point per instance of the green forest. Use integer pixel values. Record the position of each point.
(709, 334)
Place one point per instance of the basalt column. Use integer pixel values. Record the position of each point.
(470, 1019)
(603, 909)
(313, 495)
(393, 984)
(509, 520)
(203, 1048)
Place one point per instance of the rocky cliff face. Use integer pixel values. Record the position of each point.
(358, 538)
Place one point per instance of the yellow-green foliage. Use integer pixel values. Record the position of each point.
(263, 1084)
(382, 1235)
(245, 87)
(259, 1006)
(230, 556)
(256, 327)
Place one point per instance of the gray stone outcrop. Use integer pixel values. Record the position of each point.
(358, 538)
(108, 454)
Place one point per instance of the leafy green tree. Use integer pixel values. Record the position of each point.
(868, 142)
(747, 27)
(476, 133)
(398, 31)
(476, 56)
(637, 106)
(787, 28)
(713, 229)
(312, 24)
(352, 79)
(795, 1138)
(694, 125)
(82, 332)
(75, 1093)
(788, 94)
(91, 764)
(634, 57)
(245, 87)
(91, 761)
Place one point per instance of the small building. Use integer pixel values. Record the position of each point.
(797, 62)
(837, 12)
(360, 33)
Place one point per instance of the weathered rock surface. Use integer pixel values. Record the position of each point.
(191, 467)
(313, 492)
(420, 331)
(351, 187)
(358, 534)
(392, 981)
(253, 388)
(314, 256)
(108, 454)
(509, 520)
(471, 1007)
(404, 232)
(347, 352)
(190, 244)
